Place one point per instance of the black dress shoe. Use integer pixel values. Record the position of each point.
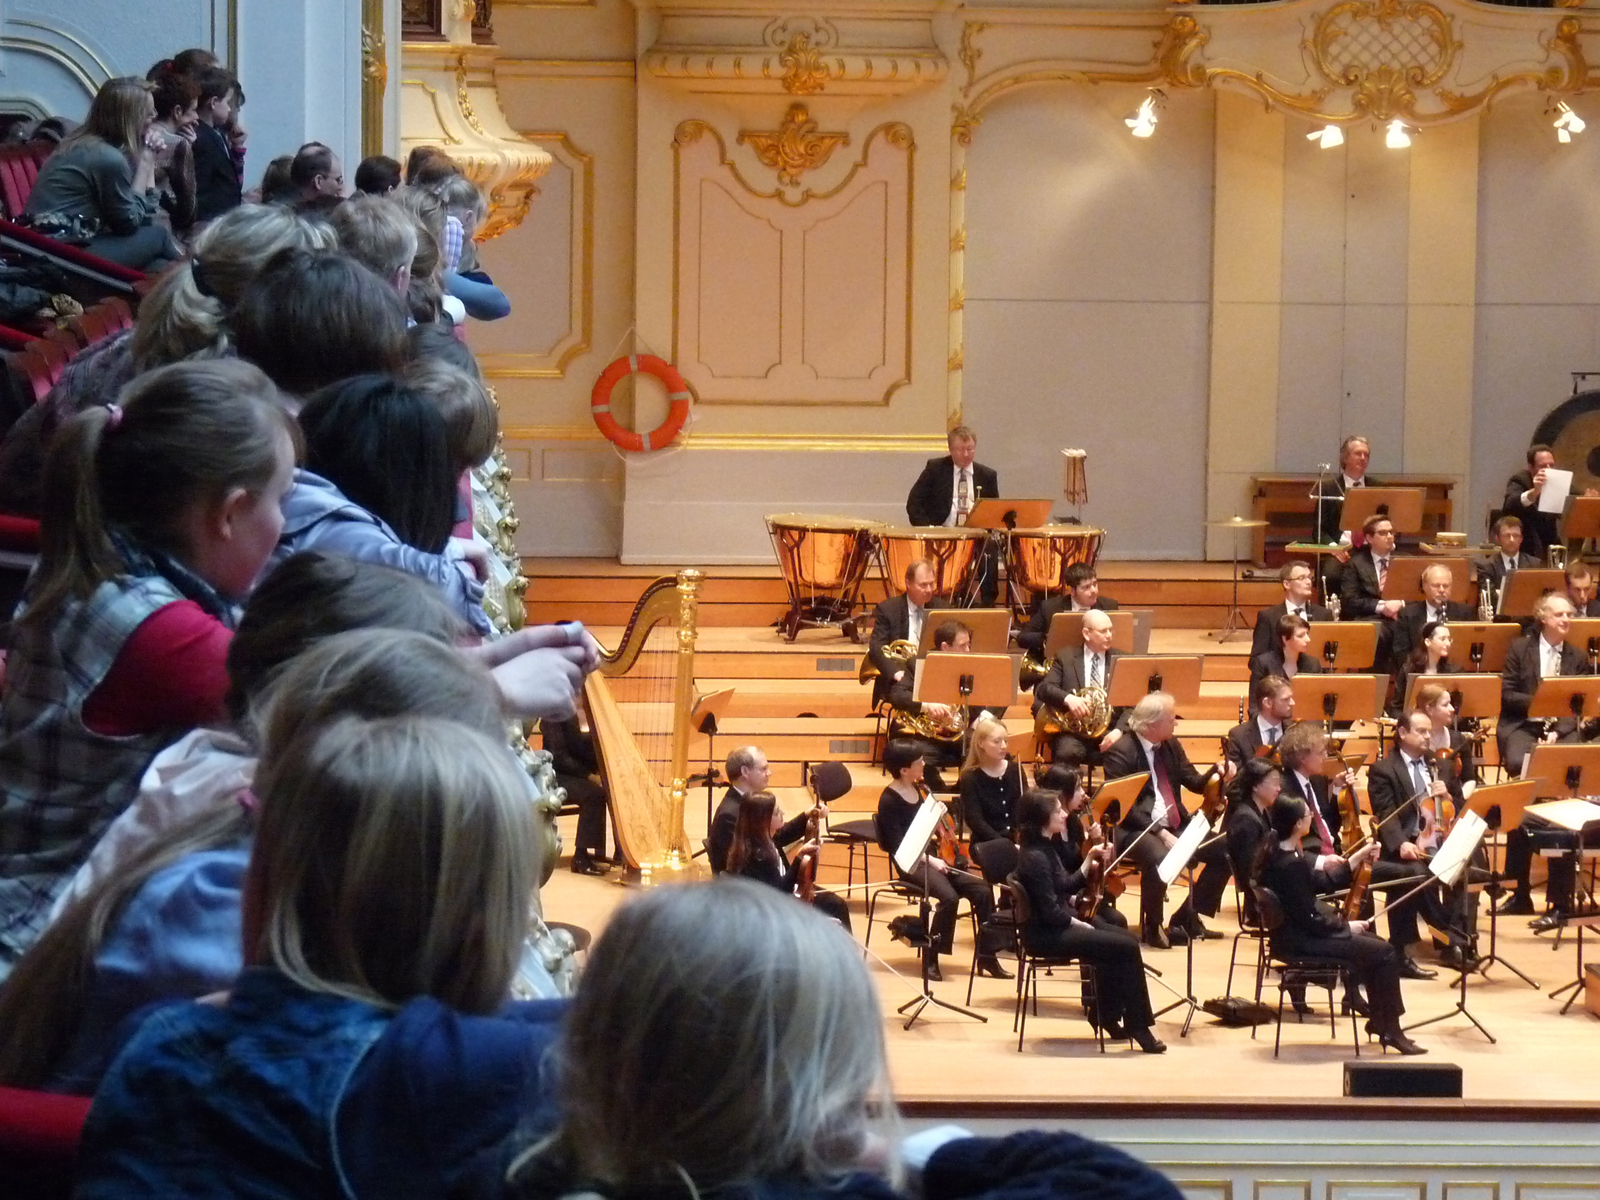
(1200, 933)
(1354, 1005)
(934, 974)
(1157, 939)
(1114, 1031)
(1177, 936)
(588, 866)
(1410, 969)
(1550, 920)
(1301, 1008)
(1147, 1041)
(1517, 904)
(1400, 1043)
(1453, 958)
(990, 965)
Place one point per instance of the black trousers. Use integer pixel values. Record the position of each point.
(831, 905)
(1073, 751)
(1118, 964)
(590, 798)
(946, 889)
(1206, 895)
(1403, 916)
(1533, 835)
(1372, 961)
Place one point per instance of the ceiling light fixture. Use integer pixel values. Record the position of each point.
(1143, 123)
(1397, 137)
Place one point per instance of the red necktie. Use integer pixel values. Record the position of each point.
(1322, 826)
(1164, 787)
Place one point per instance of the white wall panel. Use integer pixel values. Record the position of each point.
(1087, 306)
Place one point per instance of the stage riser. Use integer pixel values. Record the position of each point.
(592, 612)
(1129, 593)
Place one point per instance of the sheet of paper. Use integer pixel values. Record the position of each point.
(1453, 856)
(1557, 485)
(909, 852)
(1183, 849)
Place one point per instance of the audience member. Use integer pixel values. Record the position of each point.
(380, 235)
(177, 101)
(316, 172)
(377, 175)
(217, 181)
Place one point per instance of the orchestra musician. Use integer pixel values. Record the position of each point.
(1429, 655)
(953, 636)
(572, 755)
(1362, 581)
(1312, 928)
(1355, 452)
(1151, 745)
(1302, 753)
(1067, 784)
(1434, 608)
(948, 489)
(1455, 756)
(1088, 665)
(1404, 790)
(1508, 556)
(1082, 595)
(1292, 655)
(1529, 659)
(945, 883)
(1522, 502)
(757, 853)
(900, 619)
(1122, 1000)
(1272, 697)
(748, 773)
(1298, 589)
(1581, 589)
(990, 786)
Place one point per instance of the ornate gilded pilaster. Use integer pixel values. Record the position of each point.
(374, 76)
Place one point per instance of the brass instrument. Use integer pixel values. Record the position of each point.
(936, 729)
(1091, 727)
(1485, 597)
(1334, 604)
(1555, 556)
(1032, 669)
(901, 651)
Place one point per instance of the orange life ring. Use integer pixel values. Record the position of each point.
(677, 392)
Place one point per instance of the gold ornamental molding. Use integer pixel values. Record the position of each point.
(800, 56)
(894, 133)
(795, 147)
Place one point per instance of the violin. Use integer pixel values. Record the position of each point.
(1358, 889)
(806, 872)
(1438, 814)
(1098, 884)
(945, 834)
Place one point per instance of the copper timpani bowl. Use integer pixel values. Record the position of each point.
(954, 552)
(824, 560)
(1037, 559)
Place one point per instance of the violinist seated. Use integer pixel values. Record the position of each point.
(1301, 755)
(900, 619)
(1454, 752)
(990, 786)
(1055, 928)
(1292, 655)
(1361, 586)
(1435, 608)
(1150, 827)
(1406, 795)
(748, 773)
(1272, 699)
(1299, 586)
(1313, 929)
(944, 883)
(1073, 845)
(1543, 655)
(923, 721)
(1430, 655)
(1082, 595)
(756, 855)
(1074, 670)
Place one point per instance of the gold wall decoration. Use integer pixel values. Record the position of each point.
(804, 72)
(795, 147)
(374, 76)
(970, 54)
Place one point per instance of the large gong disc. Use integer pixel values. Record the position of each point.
(1572, 430)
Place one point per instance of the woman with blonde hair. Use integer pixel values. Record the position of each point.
(99, 184)
(368, 1049)
(990, 785)
(727, 1042)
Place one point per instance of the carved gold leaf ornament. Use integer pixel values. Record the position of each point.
(970, 54)
(804, 71)
(795, 147)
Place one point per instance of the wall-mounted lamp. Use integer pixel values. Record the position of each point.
(1566, 122)
(1397, 137)
(1327, 137)
(1143, 122)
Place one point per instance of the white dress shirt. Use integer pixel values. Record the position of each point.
(914, 618)
(955, 492)
(1089, 657)
(1270, 732)
(1549, 659)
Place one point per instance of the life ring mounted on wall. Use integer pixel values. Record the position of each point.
(677, 392)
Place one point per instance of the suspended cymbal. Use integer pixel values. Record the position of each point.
(1239, 523)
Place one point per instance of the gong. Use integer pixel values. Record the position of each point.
(1572, 431)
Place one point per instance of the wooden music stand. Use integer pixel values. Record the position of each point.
(1352, 697)
(1066, 630)
(1495, 637)
(1523, 587)
(1585, 632)
(1510, 798)
(1566, 696)
(1564, 770)
(1476, 695)
(990, 513)
(1332, 764)
(1404, 581)
(994, 679)
(991, 628)
(1403, 507)
(1136, 675)
(1355, 643)
(1124, 792)
(1583, 519)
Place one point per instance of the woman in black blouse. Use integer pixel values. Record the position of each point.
(1290, 657)
(1312, 928)
(756, 856)
(1123, 1004)
(1430, 656)
(1067, 784)
(990, 785)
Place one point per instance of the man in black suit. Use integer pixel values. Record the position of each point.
(1272, 698)
(1298, 589)
(1074, 669)
(1509, 556)
(1435, 606)
(1083, 594)
(949, 488)
(1354, 454)
(748, 773)
(217, 188)
(1522, 501)
(900, 619)
(1391, 786)
(1302, 752)
(1581, 589)
(1159, 816)
(949, 636)
(1361, 586)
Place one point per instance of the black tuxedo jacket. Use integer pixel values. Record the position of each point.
(1033, 634)
(1414, 616)
(1495, 568)
(1066, 675)
(1244, 829)
(1389, 785)
(1519, 679)
(1266, 634)
(1127, 758)
(1244, 740)
(1332, 505)
(1327, 804)
(891, 622)
(1538, 529)
(719, 839)
(216, 179)
(929, 501)
(1358, 586)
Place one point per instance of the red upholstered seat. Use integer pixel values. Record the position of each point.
(19, 238)
(19, 168)
(14, 339)
(41, 362)
(19, 534)
(39, 1135)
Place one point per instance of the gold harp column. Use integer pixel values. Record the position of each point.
(960, 139)
(689, 581)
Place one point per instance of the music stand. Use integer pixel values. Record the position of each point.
(1354, 644)
(1473, 695)
(990, 513)
(991, 628)
(1583, 519)
(984, 680)
(912, 850)
(1486, 642)
(1402, 505)
(1523, 587)
(1563, 770)
(1584, 637)
(1176, 861)
(1511, 799)
(703, 718)
(1066, 630)
(1340, 697)
(1136, 675)
(1123, 792)
(1449, 863)
(1566, 696)
(1404, 581)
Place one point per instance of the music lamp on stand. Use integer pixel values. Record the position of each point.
(1075, 480)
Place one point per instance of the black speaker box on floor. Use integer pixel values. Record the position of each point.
(1411, 1079)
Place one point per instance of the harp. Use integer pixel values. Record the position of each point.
(639, 702)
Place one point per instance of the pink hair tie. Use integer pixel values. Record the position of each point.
(115, 418)
(249, 801)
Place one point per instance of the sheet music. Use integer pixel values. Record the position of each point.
(911, 848)
(1557, 486)
(1452, 857)
(1568, 814)
(1183, 849)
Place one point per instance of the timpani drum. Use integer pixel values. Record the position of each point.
(1037, 559)
(824, 561)
(956, 553)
